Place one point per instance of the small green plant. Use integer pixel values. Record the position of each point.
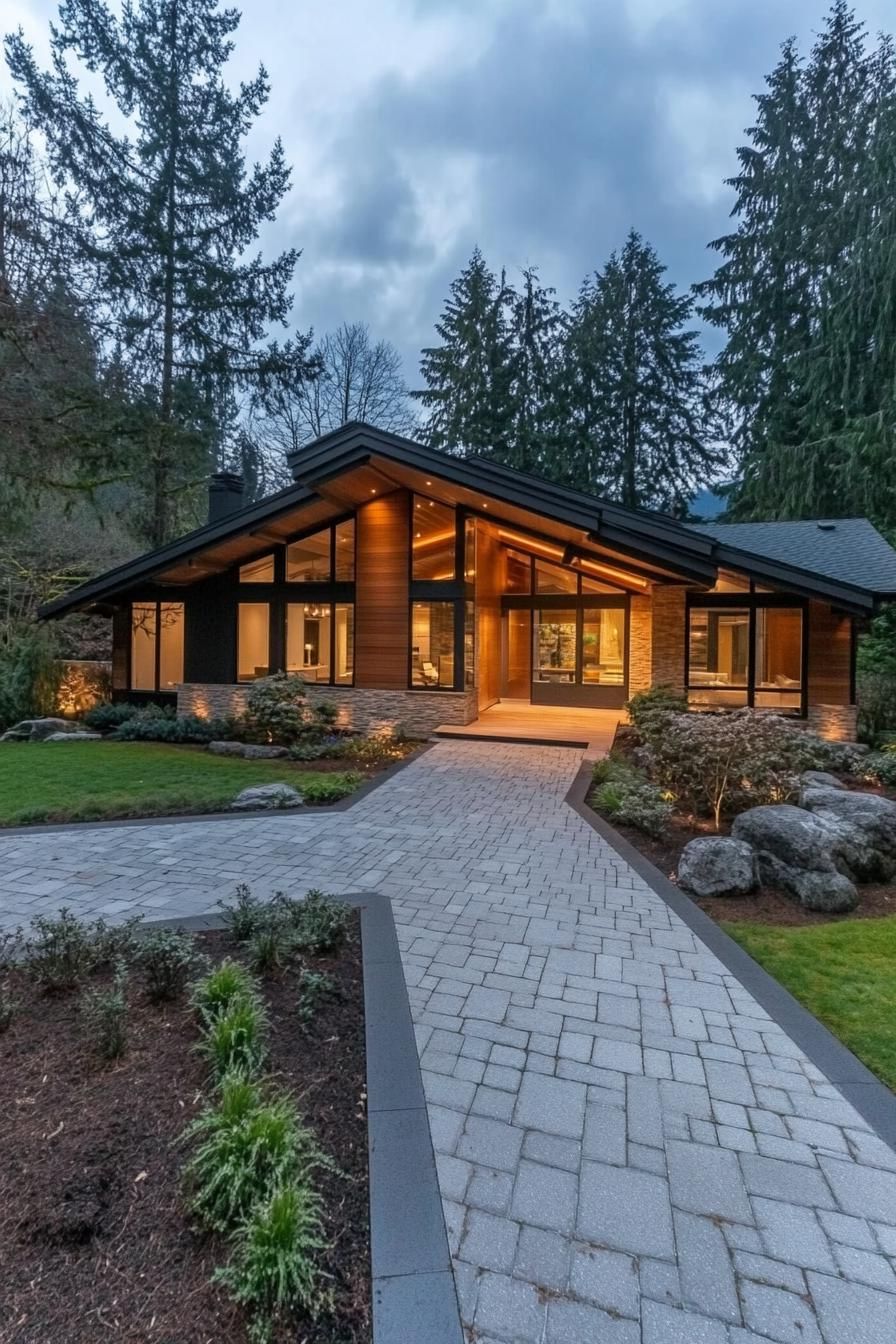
(9, 1005)
(270, 945)
(244, 915)
(60, 951)
(105, 1014)
(221, 988)
(168, 958)
(626, 795)
(274, 1267)
(246, 1148)
(313, 986)
(332, 788)
(114, 943)
(318, 922)
(105, 717)
(10, 953)
(234, 1040)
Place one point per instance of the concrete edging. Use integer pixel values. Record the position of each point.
(412, 1282)
(862, 1089)
(172, 818)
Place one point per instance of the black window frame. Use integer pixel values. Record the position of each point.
(751, 601)
(158, 603)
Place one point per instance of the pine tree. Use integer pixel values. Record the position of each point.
(174, 209)
(469, 375)
(536, 324)
(631, 396)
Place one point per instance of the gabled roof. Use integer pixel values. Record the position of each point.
(847, 562)
(848, 550)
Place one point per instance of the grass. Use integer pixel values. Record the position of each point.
(843, 973)
(89, 781)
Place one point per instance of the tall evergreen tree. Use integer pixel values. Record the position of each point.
(630, 399)
(536, 324)
(173, 208)
(805, 287)
(468, 377)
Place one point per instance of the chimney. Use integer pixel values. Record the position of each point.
(225, 495)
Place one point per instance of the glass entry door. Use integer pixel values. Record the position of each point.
(579, 652)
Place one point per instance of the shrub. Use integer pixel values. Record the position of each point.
(270, 945)
(314, 748)
(245, 915)
(274, 1269)
(222, 987)
(313, 986)
(876, 699)
(64, 950)
(29, 674)
(626, 795)
(326, 714)
(644, 707)
(168, 958)
(105, 1013)
(276, 709)
(103, 718)
(146, 727)
(234, 1039)
(370, 752)
(246, 1148)
(880, 767)
(330, 789)
(318, 922)
(10, 953)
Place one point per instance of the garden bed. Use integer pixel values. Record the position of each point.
(97, 1238)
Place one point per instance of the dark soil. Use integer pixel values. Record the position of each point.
(94, 1241)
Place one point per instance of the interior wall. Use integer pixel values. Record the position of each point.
(382, 619)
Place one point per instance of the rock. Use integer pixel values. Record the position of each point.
(79, 735)
(226, 748)
(37, 730)
(253, 752)
(793, 836)
(828, 892)
(716, 865)
(811, 779)
(868, 820)
(266, 797)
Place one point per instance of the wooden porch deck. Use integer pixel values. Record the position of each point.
(520, 721)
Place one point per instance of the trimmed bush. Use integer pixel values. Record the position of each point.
(147, 727)
(107, 716)
(167, 958)
(276, 710)
(63, 950)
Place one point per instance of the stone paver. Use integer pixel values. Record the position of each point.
(630, 1150)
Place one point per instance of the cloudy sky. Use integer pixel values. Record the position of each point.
(540, 129)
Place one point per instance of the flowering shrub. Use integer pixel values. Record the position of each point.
(276, 710)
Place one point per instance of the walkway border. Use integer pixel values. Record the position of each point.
(183, 818)
(871, 1098)
(513, 740)
(412, 1282)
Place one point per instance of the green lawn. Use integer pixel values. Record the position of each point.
(85, 781)
(844, 973)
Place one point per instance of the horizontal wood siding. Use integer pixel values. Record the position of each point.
(830, 656)
(382, 614)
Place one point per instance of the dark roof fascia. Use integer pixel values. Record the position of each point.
(151, 562)
(805, 582)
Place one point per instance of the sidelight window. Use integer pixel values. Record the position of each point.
(157, 646)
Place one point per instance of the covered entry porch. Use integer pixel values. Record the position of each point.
(521, 721)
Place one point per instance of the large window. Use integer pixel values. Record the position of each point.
(555, 646)
(253, 643)
(432, 644)
(433, 540)
(603, 646)
(308, 560)
(750, 654)
(157, 646)
(258, 571)
(320, 641)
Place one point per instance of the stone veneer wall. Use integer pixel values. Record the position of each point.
(414, 713)
(656, 639)
(640, 643)
(835, 723)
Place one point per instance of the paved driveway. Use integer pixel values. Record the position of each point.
(630, 1151)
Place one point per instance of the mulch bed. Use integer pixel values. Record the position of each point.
(766, 905)
(94, 1240)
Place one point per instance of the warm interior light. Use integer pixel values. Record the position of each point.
(555, 552)
(607, 571)
(435, 539)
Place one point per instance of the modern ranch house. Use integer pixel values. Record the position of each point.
(417, 590)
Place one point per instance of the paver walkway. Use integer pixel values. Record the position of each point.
(630, 1151)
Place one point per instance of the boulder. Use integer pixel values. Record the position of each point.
(256, 752)
(37, 730)
(828, 892)
(814, 779)
(226, 748)
(868, 820)
(79, 735)
(792, 836)
(716, 865)
(266, 797)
